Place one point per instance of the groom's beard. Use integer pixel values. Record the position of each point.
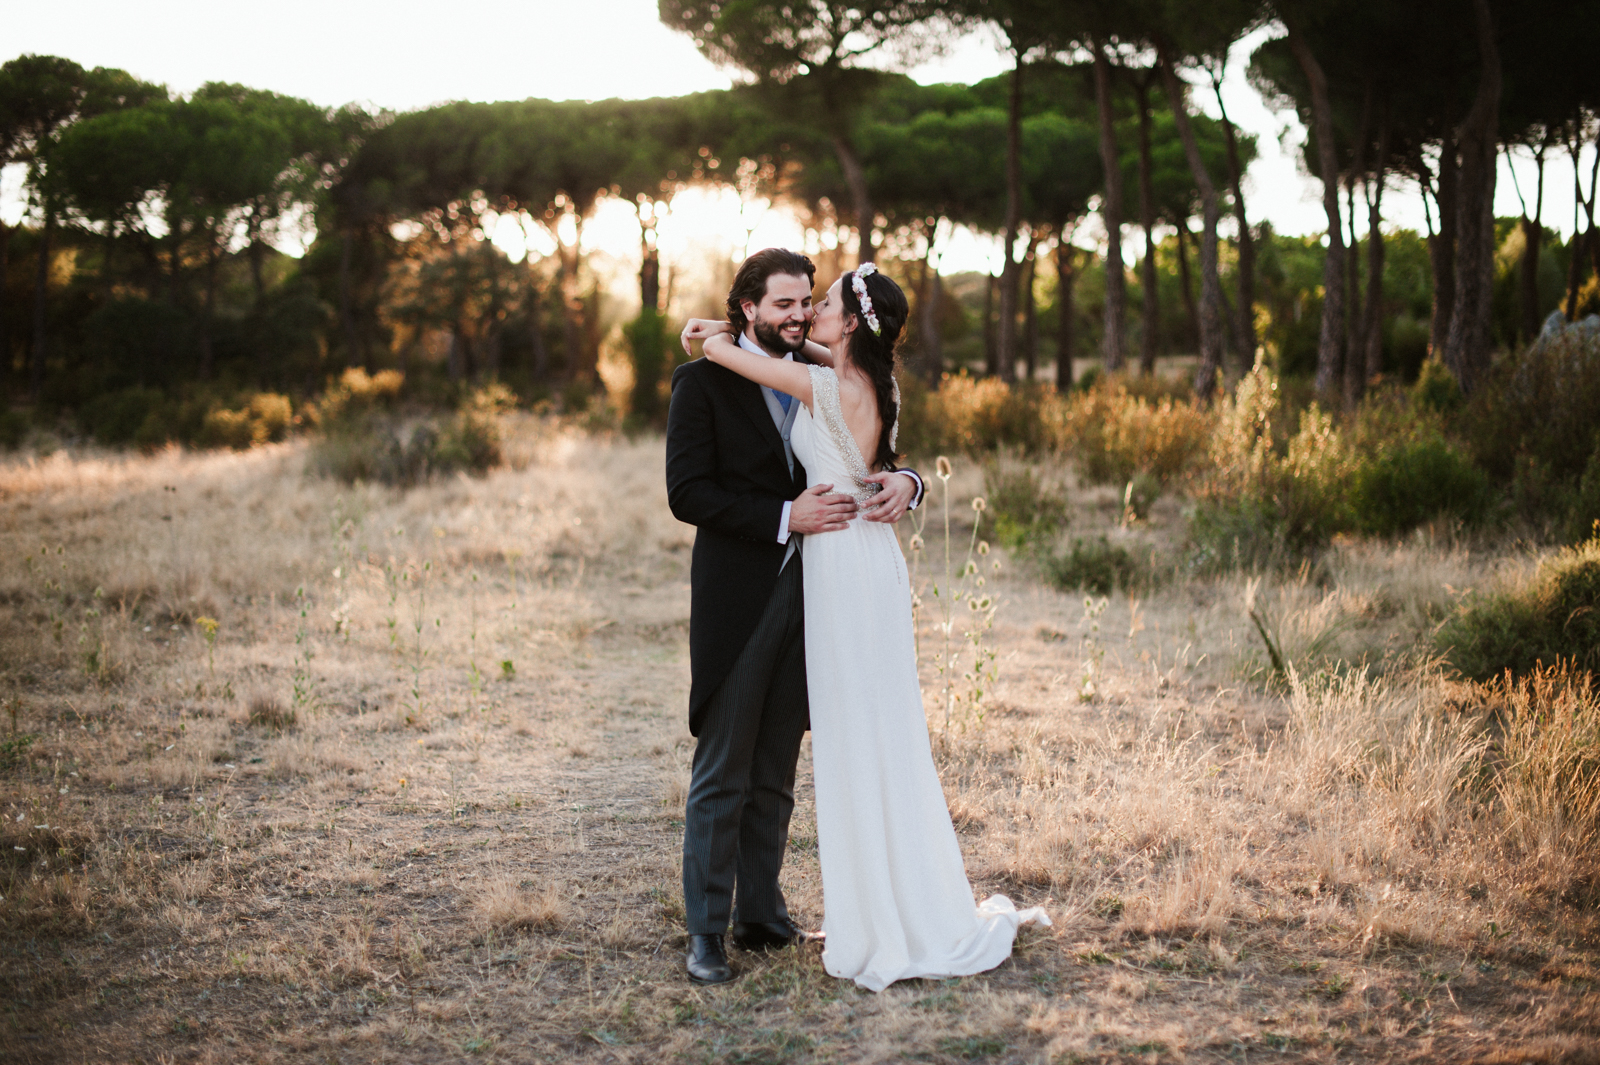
(767, 336)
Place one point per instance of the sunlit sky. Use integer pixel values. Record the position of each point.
(404, 54)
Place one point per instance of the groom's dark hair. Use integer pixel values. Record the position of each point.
(750, 283)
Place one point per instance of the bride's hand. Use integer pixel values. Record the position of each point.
(701, 329)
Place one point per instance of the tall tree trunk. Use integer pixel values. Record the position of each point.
(650, 280)
(589, 307)
(991, 357)
(1065, 327)
(571, 313)
(1591, 236)
(856, 178)
(649, 259)
(1205, 382)
(931, 359)
(1442, 250)
(41, 296)
(207, 315)
(256, 252)
(1245, 313)
(1149, 296)
(935, 353)
(455, 361)
(5, 272)
(491, 352)
(1030, 309)
(1375, 259)
(150, 254)
(1191, 311)
(347, 317)
(1328, 346)
(1467, 349)
(1580, 238)
(108, 248)
(1532, 238)
(174, 260)
(1574, 274)
(1010, 277)
(1355, 318)
(1112, 343)
(1594, 247)
(541, 353)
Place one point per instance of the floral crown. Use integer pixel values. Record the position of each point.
(858, 285)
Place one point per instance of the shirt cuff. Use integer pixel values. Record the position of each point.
(917, 496)
(783, 522)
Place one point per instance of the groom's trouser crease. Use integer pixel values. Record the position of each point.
(741, 792)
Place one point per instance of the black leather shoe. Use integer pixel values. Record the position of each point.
(766, 935)
(706, 961)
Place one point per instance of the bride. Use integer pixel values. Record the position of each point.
(896, 898)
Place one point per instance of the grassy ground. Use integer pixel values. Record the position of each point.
(422, 798)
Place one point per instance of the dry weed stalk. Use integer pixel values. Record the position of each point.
(967, 587)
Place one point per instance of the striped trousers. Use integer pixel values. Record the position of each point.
(741, 791)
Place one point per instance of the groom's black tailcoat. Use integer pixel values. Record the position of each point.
(727, 476)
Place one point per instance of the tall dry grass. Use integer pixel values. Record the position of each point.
(1355, 858)
(1113, 430)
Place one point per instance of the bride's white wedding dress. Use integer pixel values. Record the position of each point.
(895, 893)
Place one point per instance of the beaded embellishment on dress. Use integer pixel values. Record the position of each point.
(825, 398)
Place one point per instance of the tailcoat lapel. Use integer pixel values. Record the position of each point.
(755, 406)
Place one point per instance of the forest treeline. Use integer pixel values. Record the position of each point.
(143, 287)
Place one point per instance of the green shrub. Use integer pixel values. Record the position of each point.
(647, 345)
(356, 394)
(1095, 565)
(13, 428)
(1406, 484)
(1436, 388)
(264, 419)
(360, 439)
(1223, 536)
(116, 417)
(1139, 496)
(1267, 496)
(1542, 405)
(973, 415)
(470, 441)
(385, 451)
(1027, 511)
(1583, 514)
(1264, 493)
(1555, 615)
(1127, 426)
(156, 429)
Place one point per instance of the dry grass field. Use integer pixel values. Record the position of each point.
(294, 771)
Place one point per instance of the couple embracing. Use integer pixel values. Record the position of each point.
(781, 451)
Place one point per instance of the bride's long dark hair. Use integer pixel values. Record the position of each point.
(874, 354)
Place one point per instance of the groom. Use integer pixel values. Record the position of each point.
(731, 472)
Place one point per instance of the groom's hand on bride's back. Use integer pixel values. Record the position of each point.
(891, 504)
(820, 509)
